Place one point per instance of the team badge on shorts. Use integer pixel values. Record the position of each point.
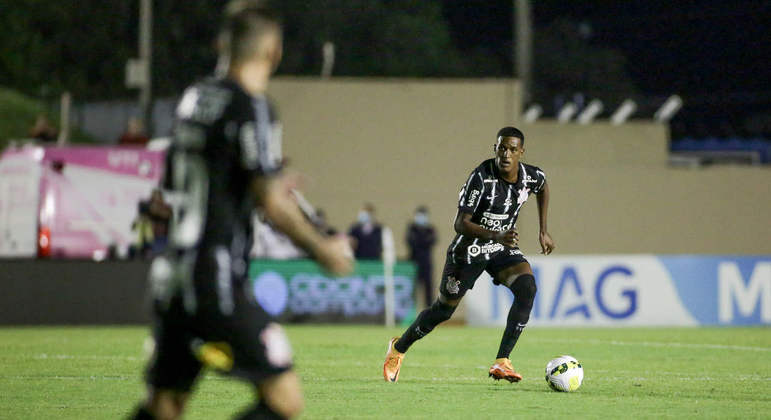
(277, 348)
(453, 286)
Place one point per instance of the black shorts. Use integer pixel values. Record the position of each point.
(457, 278)
(244, 342)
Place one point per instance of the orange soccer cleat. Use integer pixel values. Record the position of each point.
(393, 362)
(502, 369)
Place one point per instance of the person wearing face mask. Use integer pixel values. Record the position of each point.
(421, 238)
(367, 235)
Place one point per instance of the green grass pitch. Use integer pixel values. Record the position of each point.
(95, 373)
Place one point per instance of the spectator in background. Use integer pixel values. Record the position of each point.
(43, 130)
(367, 235)
(143, 231)
(421, 238)
(160, 216)
(135, 133)
(151, 226)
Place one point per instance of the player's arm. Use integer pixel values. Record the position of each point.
(466, 227)
(273, 194)
(547, 243)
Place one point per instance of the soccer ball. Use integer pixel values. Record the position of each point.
(564, 374)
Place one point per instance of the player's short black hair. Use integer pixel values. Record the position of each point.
(511, 132)
(243, 23)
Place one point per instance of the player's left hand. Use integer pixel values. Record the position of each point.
(547, 243)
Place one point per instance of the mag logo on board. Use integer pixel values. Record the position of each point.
(636, 290)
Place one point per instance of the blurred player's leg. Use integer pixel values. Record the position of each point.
(280, 398)
(162, 404)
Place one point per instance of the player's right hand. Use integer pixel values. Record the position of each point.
(335, 255)
(509, 238)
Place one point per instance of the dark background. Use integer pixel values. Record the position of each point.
(715, 54)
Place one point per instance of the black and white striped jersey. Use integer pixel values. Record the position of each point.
(223, 139)
(493, 204)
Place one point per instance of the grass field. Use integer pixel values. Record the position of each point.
(94, 373)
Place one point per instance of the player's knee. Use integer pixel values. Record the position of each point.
(287, 407)
(443, 310)
(524, 288)
(283, 395)
(165, 407)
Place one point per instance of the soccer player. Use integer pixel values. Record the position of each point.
(487, 240)
(224, 161)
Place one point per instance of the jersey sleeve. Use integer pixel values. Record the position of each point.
(540, 177)
(259, 142)
(471, 193)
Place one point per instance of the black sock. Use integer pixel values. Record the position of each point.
(142, 413)
(432, 316)
(524, 294)
(259, 412)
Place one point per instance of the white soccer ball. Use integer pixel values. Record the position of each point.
(564, 374)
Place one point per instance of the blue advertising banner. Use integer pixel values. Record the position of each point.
(620, 290)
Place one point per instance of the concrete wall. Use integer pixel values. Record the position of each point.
(404, 143)
(400, 143)
(613, 192)
(395, 143)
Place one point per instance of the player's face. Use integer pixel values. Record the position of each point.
(508, 151)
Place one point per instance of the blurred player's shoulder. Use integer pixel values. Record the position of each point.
(208, 100)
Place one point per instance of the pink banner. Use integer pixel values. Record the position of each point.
(88, 196)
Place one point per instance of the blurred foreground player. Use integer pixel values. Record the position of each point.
(487, 240)
(224, 161)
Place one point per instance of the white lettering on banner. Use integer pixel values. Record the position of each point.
(122, 158)
(732, 288)
(351, 296)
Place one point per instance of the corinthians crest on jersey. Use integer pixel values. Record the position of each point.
(493, 204)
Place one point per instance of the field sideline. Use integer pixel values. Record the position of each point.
(94, 373)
